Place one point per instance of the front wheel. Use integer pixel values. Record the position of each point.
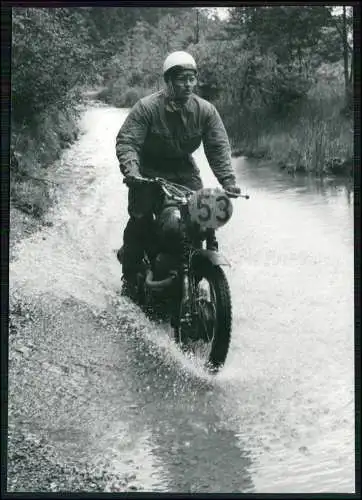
(213, 315)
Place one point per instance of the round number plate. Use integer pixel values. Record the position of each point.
(210, 208)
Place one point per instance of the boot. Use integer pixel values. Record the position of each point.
(129, 288)
(120, 255)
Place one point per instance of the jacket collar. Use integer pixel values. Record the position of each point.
(174, 107)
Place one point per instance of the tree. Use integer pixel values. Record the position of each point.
(343, 25)
(51, 54)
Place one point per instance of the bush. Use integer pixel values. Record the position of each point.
(30, 196)
(50, 57)
(33, 149)
(131, 96)
(116, 95)
(312, 143)
(312, 136)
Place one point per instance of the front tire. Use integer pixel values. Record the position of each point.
(214, 314)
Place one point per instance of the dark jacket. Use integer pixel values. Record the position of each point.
(157, 140)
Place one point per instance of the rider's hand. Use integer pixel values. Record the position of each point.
(130, 169)
(130, 172)
(232, 188)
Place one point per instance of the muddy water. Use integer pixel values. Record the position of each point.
(103, 387)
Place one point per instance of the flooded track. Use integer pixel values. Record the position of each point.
(99, 392)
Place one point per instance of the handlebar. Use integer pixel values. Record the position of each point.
(180, 196)
(164, 183)
(235, 195)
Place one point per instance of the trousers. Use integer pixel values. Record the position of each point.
(143, 202)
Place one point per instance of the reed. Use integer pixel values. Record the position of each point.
(314, 137)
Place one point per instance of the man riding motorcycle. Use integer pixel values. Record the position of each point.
(157, 139)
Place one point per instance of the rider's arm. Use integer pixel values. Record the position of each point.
(130, 139)
(217, 147)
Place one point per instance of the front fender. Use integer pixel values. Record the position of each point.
(201, 256)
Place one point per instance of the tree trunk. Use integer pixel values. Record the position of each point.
(351, 73)
(300, 60)
(345, 56)
(197, 28)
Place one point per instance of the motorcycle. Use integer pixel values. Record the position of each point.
(181, 277)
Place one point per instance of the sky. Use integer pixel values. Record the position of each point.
(222, 12)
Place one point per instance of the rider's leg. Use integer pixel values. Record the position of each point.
(136, 233)
(134, 239)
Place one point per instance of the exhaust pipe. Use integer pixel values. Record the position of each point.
(159, 285)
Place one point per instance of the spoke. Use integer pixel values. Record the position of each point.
(207, 318)
(201, 345)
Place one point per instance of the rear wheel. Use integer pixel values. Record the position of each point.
(210, 332)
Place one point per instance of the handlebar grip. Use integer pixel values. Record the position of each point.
(232, 195)
(137, 180)
(235, 195)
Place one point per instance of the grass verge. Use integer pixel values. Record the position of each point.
(314, 138)
(32, 152)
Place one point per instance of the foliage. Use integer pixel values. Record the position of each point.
(48, 59)
(33, 150)
(146, 46)
(302, 28)
(265, 62)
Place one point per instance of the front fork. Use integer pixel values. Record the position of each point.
(187, 314)
(187, 304)
(186, 309)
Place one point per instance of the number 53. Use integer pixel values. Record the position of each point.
(211, 208)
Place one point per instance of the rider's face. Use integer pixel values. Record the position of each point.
(184, 84)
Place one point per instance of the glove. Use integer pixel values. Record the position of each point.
(130, 169)
(232, 188)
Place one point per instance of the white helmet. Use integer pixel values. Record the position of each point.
(179, 58)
